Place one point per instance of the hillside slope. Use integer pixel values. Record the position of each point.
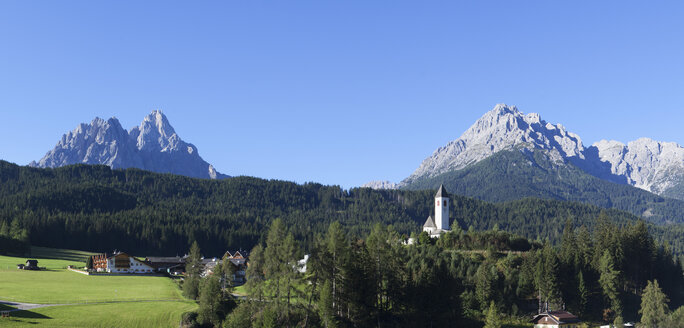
(99, 209)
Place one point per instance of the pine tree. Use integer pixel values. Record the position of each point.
(193, 268)
(609, 281)
(492, 320)
(255, 273)
(4, 229)
(653, 305)
(582, 294)
(337, 251)
(210, 301)
(325, 305)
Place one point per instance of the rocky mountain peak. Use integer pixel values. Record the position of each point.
(378, 184)
(153, 145)
(504, 127)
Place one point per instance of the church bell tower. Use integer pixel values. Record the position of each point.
(442, 209)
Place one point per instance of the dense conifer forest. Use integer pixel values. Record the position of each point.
(462, 279)
(98, 209)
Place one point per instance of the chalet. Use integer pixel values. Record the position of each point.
(556, 319)
(120, 262)
(240, 263)
(171, 265)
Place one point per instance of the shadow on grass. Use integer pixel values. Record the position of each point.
(26, 314)
(4, 307)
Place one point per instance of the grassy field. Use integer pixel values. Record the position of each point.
(134, 314)
(10, 263)
(57, 285)
(60, 254)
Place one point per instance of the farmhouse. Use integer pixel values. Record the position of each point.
(120, 262)
(556, 319)
(171, 265)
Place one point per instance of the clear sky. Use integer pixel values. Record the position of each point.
(337, 92)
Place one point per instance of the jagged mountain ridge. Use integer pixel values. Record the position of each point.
(650, 165)
(647, 164)
(153, 145)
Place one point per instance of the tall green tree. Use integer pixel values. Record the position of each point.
(653, 306)
(492, 319)
(193, 269)
(325, 306)
(609, 281)
(210, 298)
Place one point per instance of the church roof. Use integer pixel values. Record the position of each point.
(441, 192)
(557, 317)
(429, 223)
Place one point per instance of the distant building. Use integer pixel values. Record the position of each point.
(301, 264)
(556, 319)
(240, 263)
(171, 265)
(440, 224)
(627, 324)
(30, 265)
(120, 262)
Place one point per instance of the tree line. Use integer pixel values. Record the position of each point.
(94, 208)
(613, 274)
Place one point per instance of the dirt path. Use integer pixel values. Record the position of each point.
(24, 306)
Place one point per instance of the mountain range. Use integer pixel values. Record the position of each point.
(508, 155)
(153, 146)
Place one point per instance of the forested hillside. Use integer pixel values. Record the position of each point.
(461, 279)
(98, 209)
(511, 175)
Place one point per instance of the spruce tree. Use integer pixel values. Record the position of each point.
(653, 306)
(325, 305)
(193, 268)
(609, 281)
(492, 320)
(210, 301)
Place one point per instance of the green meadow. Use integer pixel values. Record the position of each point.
(132, 314)
(136, 301)
(58, 285)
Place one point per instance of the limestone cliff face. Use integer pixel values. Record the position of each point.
(645, 163)
(153, 145)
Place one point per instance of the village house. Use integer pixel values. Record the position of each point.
(240, 263)
(171, 265)
(556, 319)
(120, 262)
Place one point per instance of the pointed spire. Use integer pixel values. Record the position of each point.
(441, 193)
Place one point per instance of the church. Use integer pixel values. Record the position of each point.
(440, 224)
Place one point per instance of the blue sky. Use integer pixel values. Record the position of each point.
(337, 92)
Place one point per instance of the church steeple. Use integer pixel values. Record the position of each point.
(442, 208)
